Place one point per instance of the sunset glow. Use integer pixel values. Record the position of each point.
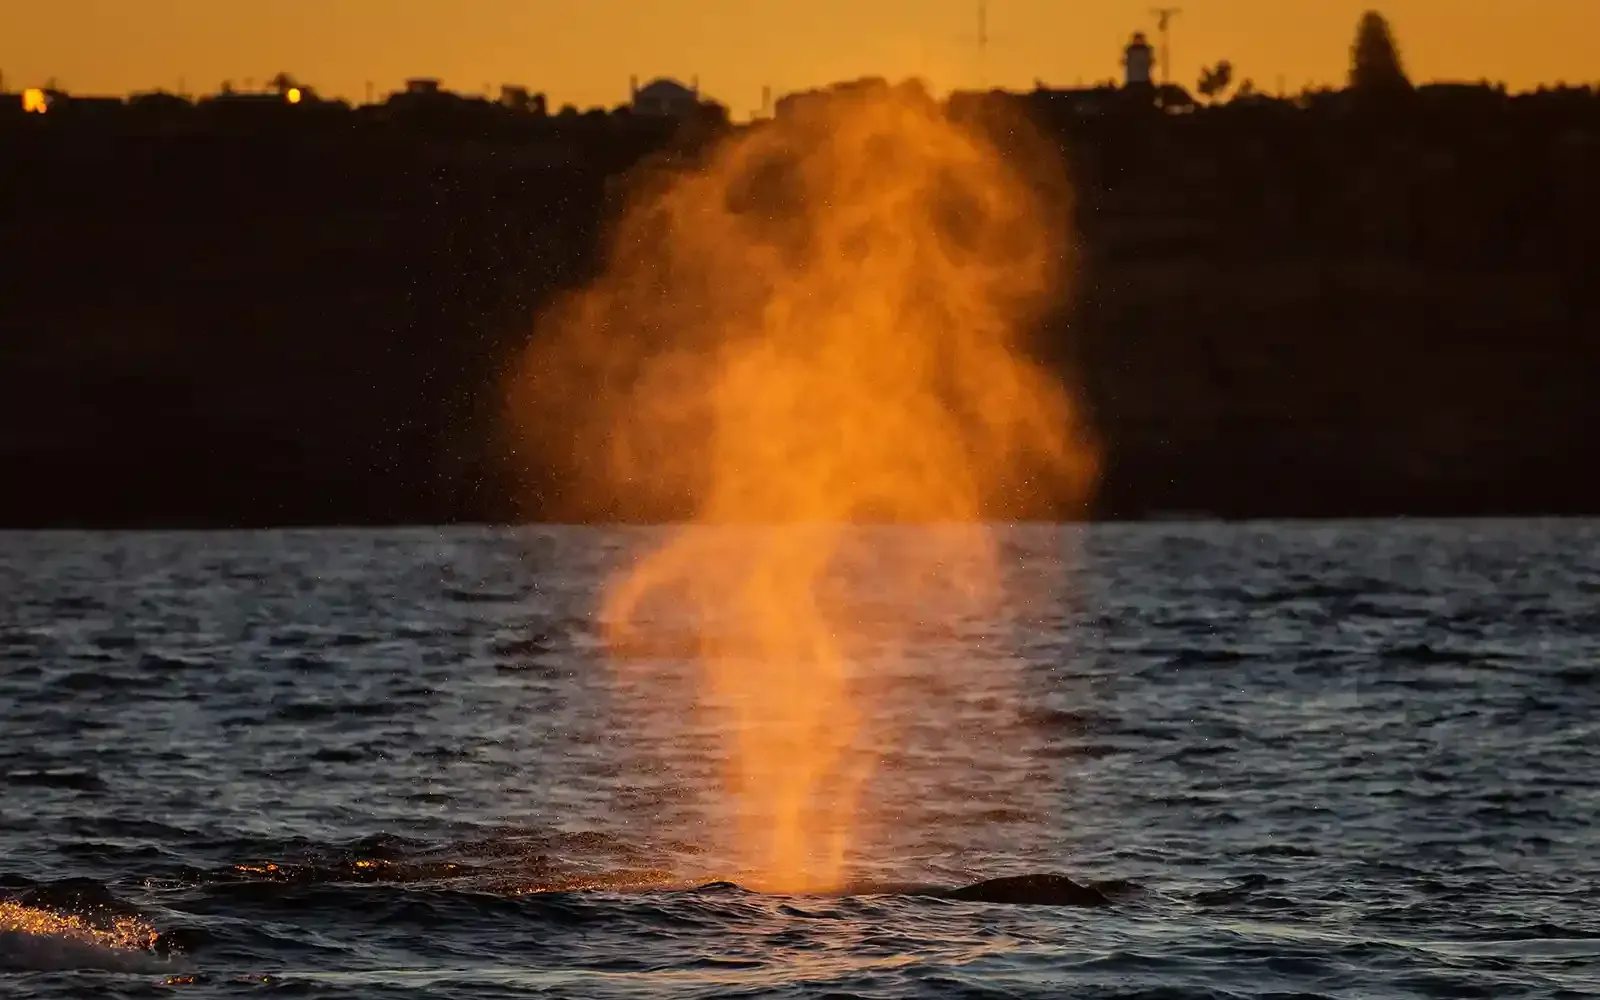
(584, 54)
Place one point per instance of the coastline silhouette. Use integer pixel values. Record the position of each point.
(268, 308)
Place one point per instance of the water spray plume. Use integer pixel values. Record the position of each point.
(818, 325)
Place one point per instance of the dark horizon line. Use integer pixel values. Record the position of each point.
(312, 95)
(402, 524)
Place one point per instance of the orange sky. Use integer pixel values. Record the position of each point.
(583, 51)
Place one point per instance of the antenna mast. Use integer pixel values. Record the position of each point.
(983, 42)
(1164, 16)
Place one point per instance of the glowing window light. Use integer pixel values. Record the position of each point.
(34, 101)
(292, 95)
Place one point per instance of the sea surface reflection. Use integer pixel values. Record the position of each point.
(1316, 759)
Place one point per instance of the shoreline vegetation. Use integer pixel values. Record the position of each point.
(1354, 303)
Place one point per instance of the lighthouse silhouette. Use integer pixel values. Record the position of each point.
(1138, 61)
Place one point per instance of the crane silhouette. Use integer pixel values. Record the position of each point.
(983, 43)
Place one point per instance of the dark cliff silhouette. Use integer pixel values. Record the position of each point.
(248, 311)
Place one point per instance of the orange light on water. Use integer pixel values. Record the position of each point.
(35, 101)
(123, 932)
(818, 325)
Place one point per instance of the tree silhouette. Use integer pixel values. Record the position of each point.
(282, 83)
(1215, 82)
(1375, 59)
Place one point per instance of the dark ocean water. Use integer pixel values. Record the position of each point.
(1313, 760)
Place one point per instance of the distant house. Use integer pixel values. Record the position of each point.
(159, 108)
(158, 100)
(1108, 99)
(665, 98)
(60, 102)
(791, 104)
(519, 99)
(1174, 99)
(92, 102)
(425, 95)
(236, 102)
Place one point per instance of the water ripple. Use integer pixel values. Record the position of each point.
(1292, 760)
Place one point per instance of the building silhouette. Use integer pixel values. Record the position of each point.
(1138, 60)
(664, 97)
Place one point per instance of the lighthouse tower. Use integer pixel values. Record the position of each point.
(1138, 60)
